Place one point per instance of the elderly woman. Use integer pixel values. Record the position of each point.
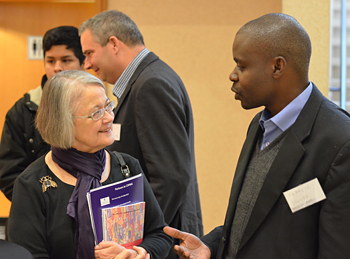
(49, 213)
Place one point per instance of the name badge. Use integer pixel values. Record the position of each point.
(116, 131)
(304, 195)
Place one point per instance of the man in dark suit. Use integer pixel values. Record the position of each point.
(153, 119)
(290, 196)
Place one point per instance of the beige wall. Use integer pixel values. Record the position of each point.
(314, 16)
(195, 38)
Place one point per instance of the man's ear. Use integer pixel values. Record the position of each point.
(279, 66)
(114, 43)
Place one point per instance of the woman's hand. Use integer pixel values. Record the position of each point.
(111, 250)
(140, 253)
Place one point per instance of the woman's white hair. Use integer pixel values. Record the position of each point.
(58, 103)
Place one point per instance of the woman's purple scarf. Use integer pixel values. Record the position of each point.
(87, 168)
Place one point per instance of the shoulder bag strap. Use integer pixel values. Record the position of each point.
(124, 167)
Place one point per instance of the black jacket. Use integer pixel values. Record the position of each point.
(156, 121)
(21, 143)
(317, 146)
(50, 231)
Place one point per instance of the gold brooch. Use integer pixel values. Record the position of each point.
(47, 183)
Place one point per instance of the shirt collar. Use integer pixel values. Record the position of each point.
(123, 80)
(285, 118)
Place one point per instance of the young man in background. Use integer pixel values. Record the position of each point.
(21, 142)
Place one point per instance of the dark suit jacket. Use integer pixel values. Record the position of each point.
(157, 128)
(317, 145)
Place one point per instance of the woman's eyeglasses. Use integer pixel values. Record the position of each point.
(95, 116)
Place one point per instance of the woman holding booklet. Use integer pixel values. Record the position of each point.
(49, 214)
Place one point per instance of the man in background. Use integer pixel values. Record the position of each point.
(153, 119)
(290, 195)
(21, 142)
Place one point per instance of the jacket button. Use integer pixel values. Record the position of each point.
(31, 141)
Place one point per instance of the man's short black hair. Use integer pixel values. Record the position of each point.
(64, 35)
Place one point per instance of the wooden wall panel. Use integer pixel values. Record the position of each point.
(19, 19)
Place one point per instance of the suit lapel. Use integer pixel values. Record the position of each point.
(284, 164)
(144, 63)
(253, 134)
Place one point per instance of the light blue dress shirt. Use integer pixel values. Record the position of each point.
(275, 126)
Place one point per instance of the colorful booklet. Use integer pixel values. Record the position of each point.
(123, 194)
(124, 224)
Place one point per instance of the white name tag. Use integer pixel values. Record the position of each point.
(116, 131)
(304, 195)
